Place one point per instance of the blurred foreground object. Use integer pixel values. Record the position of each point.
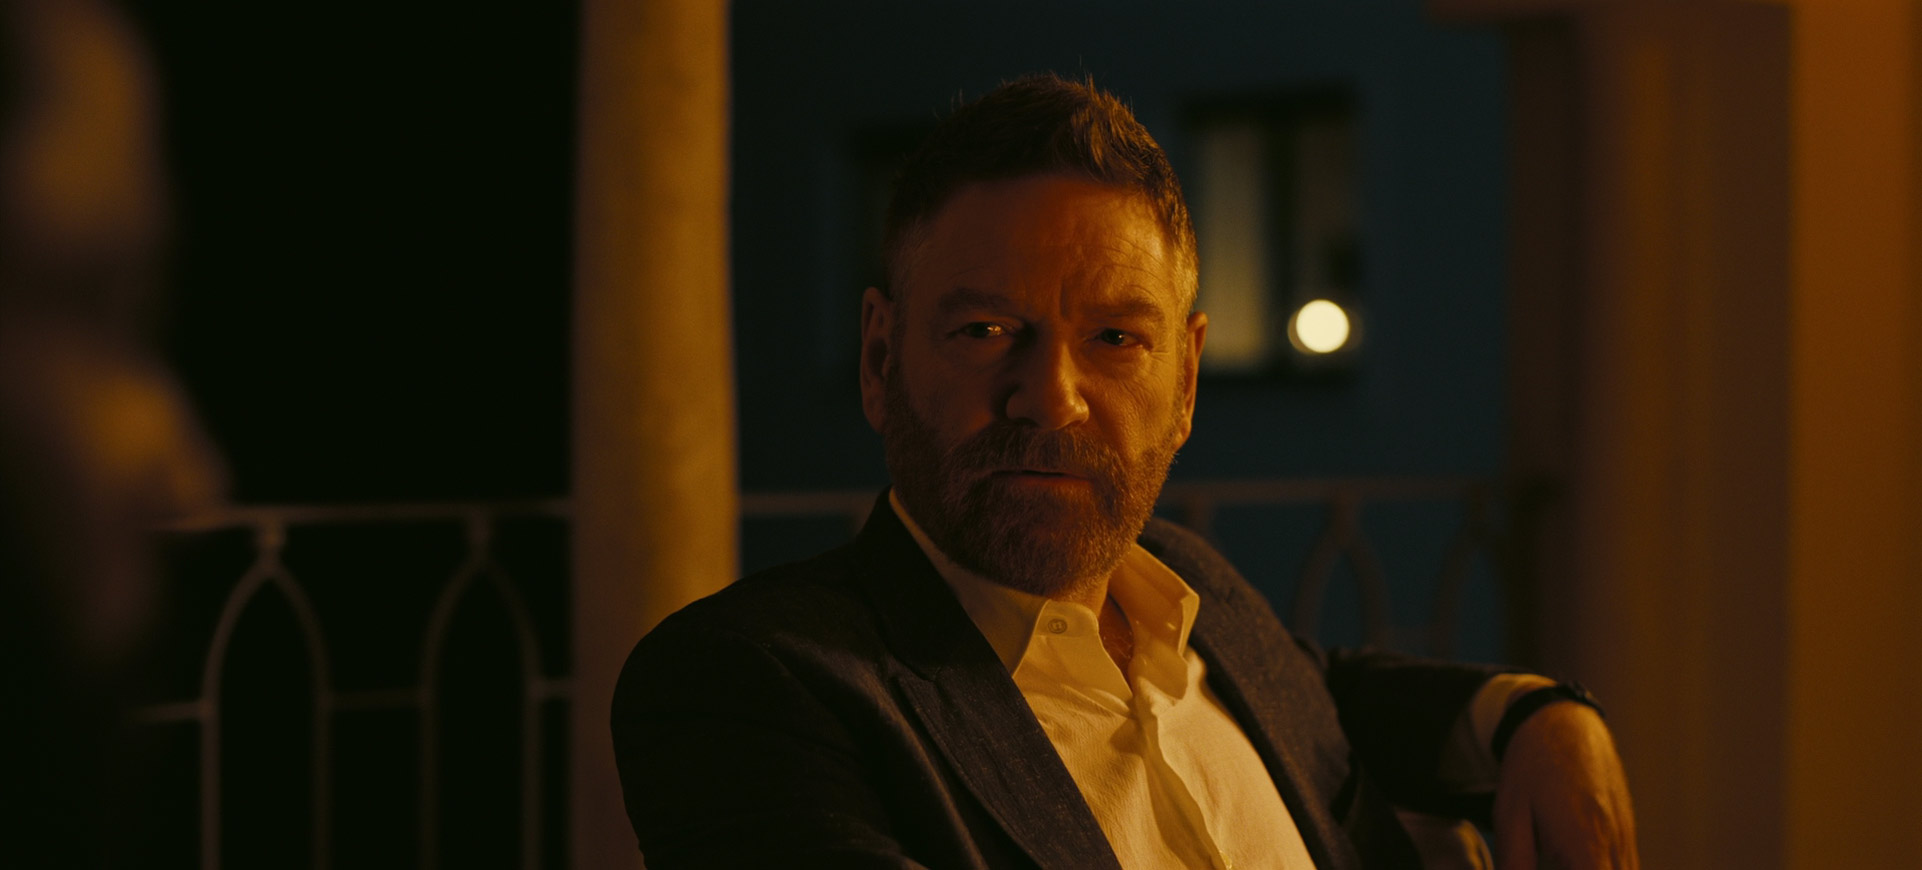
(97, 443)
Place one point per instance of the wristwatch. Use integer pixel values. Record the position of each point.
(1525, 706)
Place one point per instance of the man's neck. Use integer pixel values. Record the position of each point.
(1117, 634)
(1090, 592)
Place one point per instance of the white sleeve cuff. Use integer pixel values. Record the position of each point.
(1468, 761)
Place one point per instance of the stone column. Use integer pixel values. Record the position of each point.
(1854, 761)
(1717, 350)
(654, 489)
(1669, 593)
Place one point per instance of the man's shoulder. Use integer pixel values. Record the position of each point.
(811, 616)
(1180, 547)
(1197, 562)
(806, 596)
(1229, 603)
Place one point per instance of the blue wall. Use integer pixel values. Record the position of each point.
(1427, 398)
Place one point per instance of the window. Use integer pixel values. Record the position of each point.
(1276, 206)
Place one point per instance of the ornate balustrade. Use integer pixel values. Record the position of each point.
(388, 680)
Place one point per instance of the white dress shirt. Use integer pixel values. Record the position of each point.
(1169, 775)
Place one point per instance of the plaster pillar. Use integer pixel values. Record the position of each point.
(1854, 758)
(654, 490)
(1717, 354)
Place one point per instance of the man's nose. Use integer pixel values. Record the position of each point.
(1046, 388)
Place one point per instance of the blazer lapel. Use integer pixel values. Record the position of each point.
(1242, 678)
(970, 707)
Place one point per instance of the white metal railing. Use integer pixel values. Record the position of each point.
(1197, 503)
(269, 526)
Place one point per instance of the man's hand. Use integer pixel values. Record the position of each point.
(1562, 801)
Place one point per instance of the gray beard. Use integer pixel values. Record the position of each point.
(1047, 543)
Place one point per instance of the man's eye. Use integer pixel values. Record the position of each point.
(983, 330)
(1118, 337)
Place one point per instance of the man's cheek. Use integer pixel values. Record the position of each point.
(1133, 409)
(957, 415)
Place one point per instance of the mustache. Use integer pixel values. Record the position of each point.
(1012, 445)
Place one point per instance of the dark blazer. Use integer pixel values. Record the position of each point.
(845, 712)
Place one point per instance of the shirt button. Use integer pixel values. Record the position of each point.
(1057, 625)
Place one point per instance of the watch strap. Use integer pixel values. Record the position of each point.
(1525, 706)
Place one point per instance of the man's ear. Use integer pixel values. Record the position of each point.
(877, 354)
(1195, 334)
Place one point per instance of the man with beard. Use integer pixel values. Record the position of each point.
(1013, 665)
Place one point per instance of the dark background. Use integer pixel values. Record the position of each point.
(370, 284)
(370, 289)
(369, 304)
(372, 273)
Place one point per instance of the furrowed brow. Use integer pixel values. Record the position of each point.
(967, 299)
(1130, 307)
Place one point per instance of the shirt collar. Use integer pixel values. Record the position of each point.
(1150, 592)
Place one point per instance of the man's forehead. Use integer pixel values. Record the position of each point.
(1113, 300)
(1052, 209)
(996, 235)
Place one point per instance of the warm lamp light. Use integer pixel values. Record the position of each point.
(1319, 327)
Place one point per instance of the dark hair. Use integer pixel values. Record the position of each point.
(1036, 125)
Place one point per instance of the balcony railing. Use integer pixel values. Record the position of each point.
(380, 631)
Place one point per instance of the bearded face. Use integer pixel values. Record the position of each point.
(1040, 537)
(1033, 377)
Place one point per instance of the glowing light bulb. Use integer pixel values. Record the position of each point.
(1319, 327)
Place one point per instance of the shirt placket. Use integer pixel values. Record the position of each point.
(1152, 706)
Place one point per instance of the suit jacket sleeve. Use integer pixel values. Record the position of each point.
(1398, 712)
